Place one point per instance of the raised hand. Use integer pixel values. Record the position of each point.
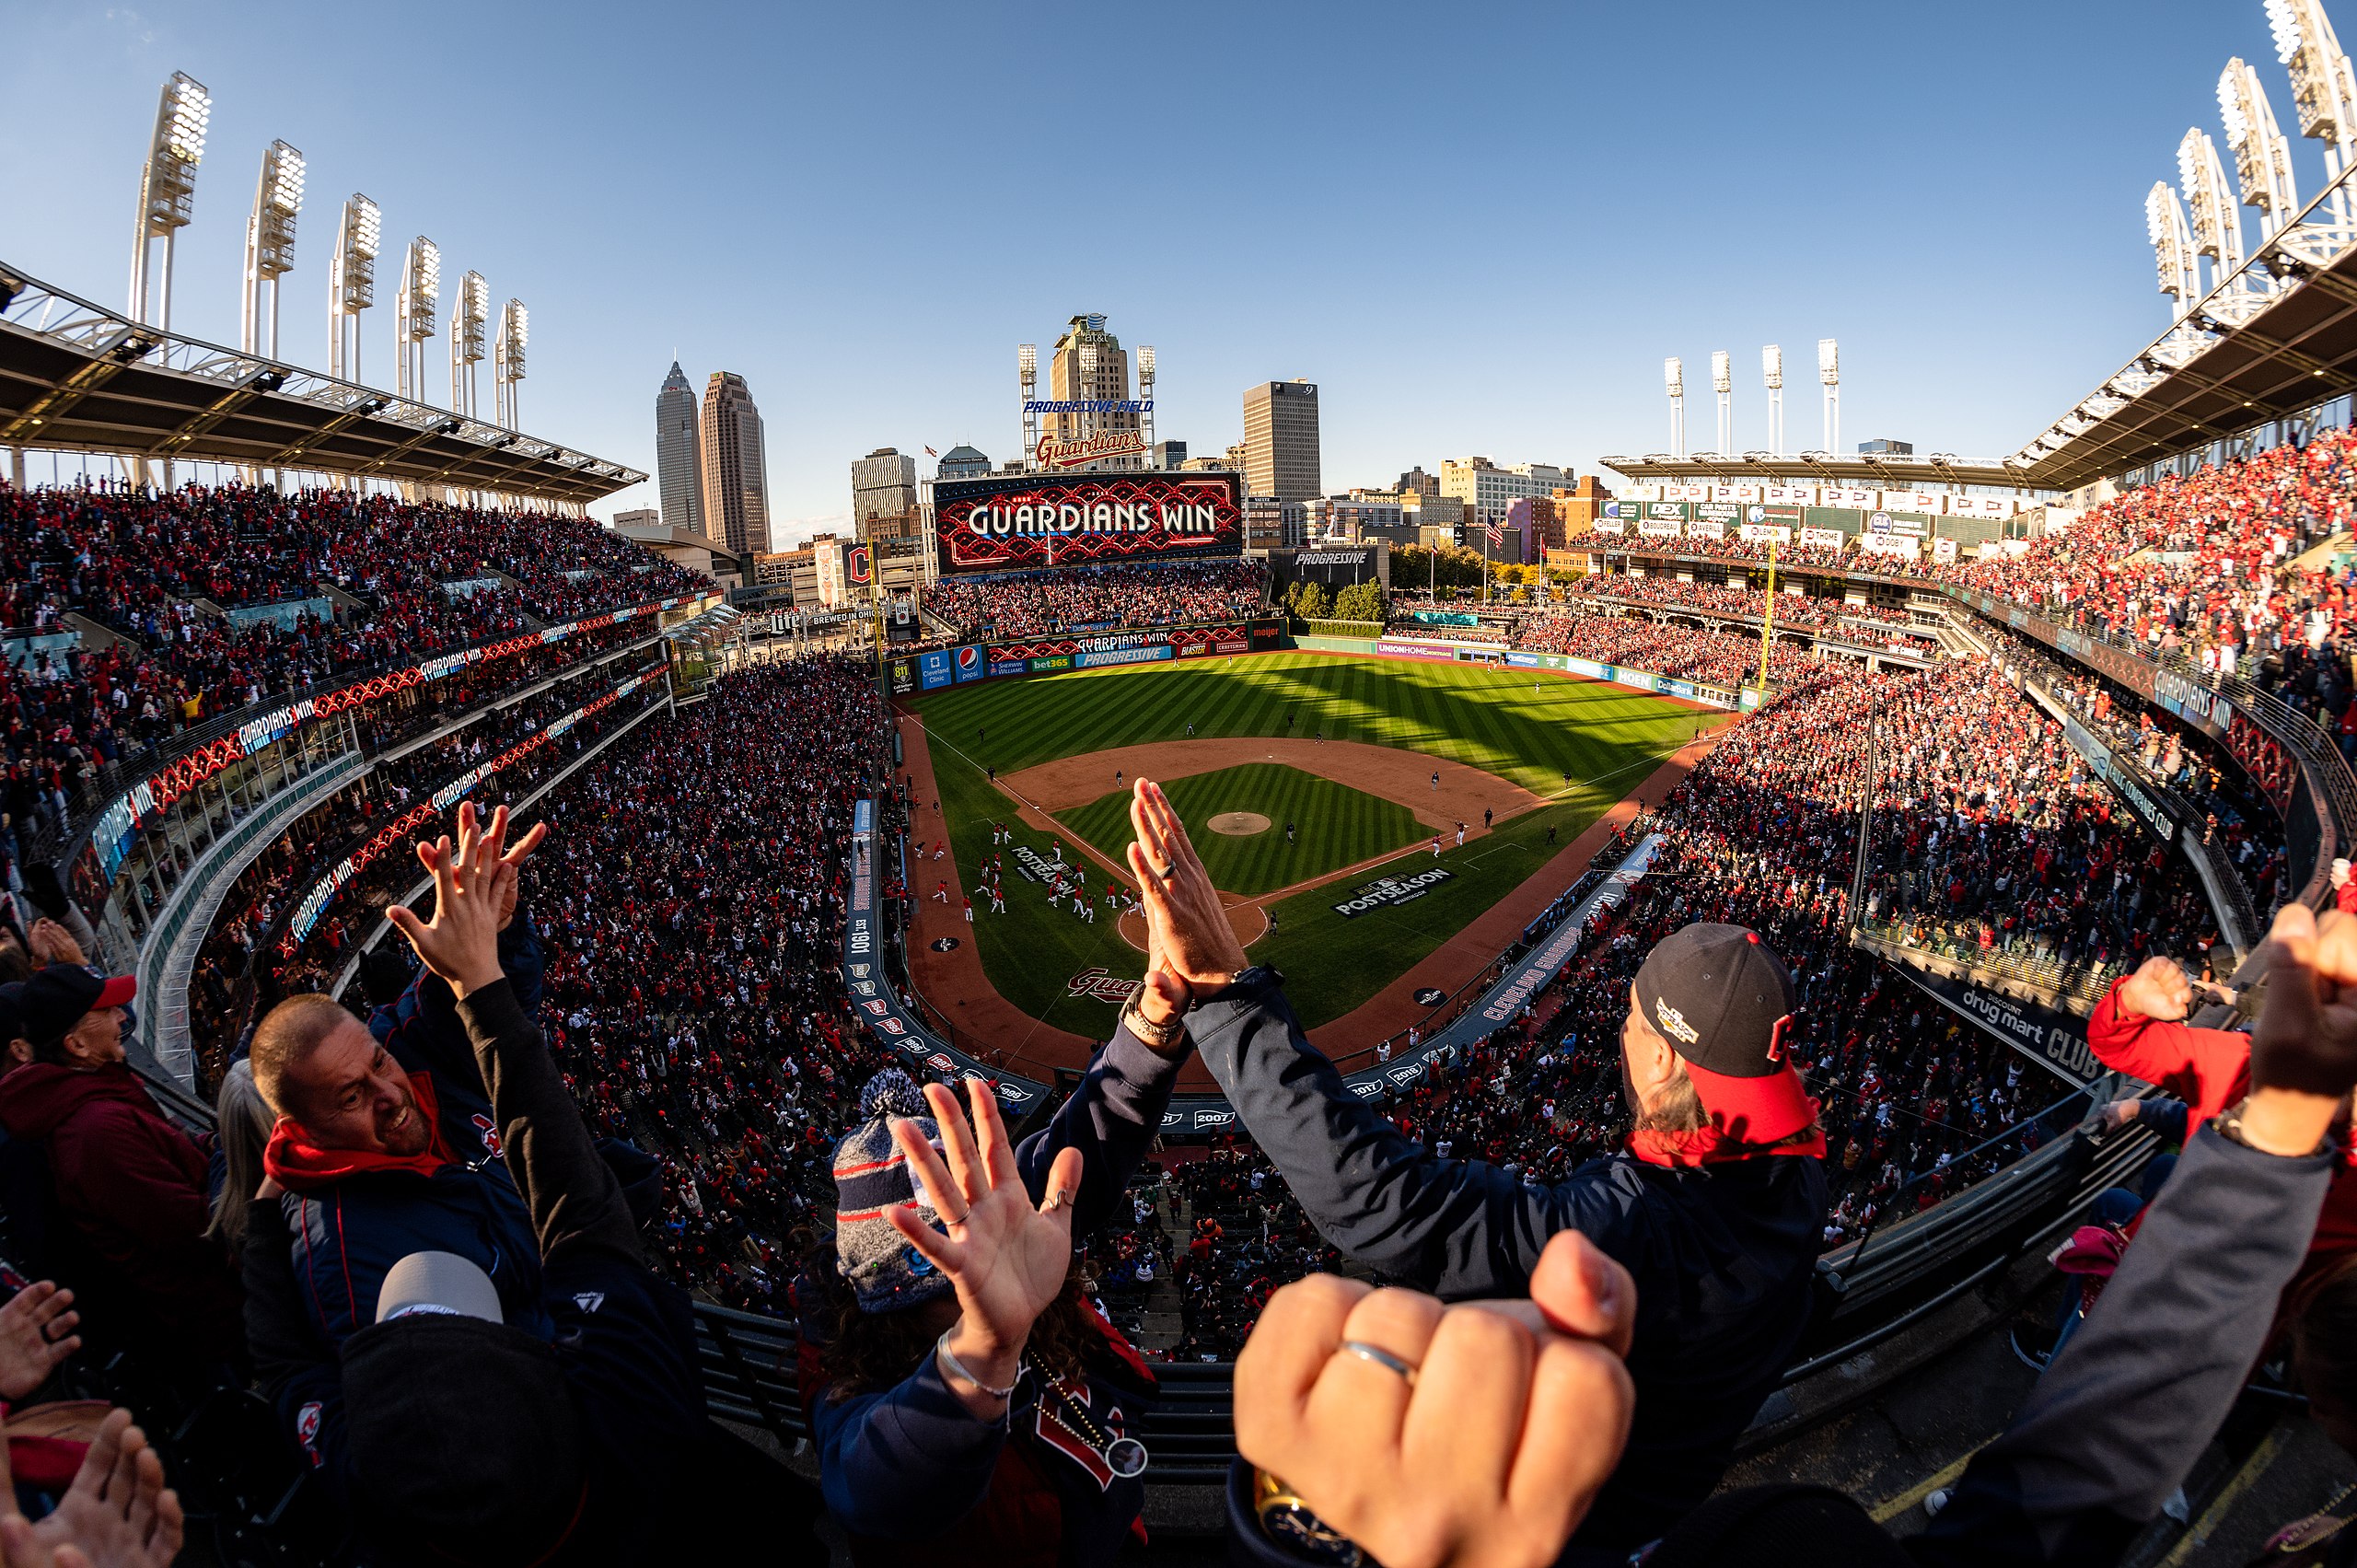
(1184, 918)
(2157, 990)
(36, 1334)
(53, 944)
(1007, 1258)
(1490, 1454)
(2304, 1053)
(472, 885)
(118, 1512)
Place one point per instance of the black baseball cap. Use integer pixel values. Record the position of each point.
(61, 995)
(1724, 999)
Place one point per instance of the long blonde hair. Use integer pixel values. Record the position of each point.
(243, 1121)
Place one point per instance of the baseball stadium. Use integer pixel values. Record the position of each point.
(1758, 1004)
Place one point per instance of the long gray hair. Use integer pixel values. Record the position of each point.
(243, 1121)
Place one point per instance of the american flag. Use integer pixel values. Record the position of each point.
(931, 453)
(1497, 534)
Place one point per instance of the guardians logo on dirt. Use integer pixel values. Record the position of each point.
(1102, 985)
(1390, 890)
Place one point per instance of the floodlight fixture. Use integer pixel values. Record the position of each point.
(270, 244)
(168, 188)
(1145, 397)
(352, 282)
(1027, 358)
(2215, 213)
(1828, 376)
(470, 312)
(1722, 383)
(1771, 370)
(1673, 376)
(508, 361)
(2324, 95)
(1027, 370)
(2173, 254)
(414, 313)
(2263, 153)
(1771, 366)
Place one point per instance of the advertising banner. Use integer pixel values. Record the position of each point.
(1845, 495)
(1394, 649)
(2146, 809)
(1790, 516)
(1944, 550)
(1266, 634)
(2056, 1041)
(969, 662)
(1590, 668)
(1017, 522)
(1100, 659)
(1662, 531)
(1825, 538)
(1668, 511)
(1643, 679)
(1761, 533)
(1884, 544)
(1719, 511)
(1610, 525)
(936, 668)
(904, 677)
(1706, 530)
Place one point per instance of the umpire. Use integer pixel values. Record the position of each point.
(1715, 1206)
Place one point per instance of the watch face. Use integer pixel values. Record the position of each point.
(1291, 1526)
(1126, 1457)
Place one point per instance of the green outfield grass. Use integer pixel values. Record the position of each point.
(1604, 738)
(1335, 825)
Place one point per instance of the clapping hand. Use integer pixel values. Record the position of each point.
(36, 1334)
(53, 944)
(473, 894)
(1185, 922)
(2304, 1054)
(118, 1512)
(1007, 1258)
(1473, 1436)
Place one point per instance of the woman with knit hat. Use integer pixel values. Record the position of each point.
(954, 1377)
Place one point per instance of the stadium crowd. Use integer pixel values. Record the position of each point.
(1031, 604)
(1682, 653)
(1793, 608)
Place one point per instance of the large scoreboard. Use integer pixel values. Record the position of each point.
(1018, 522)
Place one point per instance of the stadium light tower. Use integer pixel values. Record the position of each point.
(270, 243)
(470, 313)
(1829, 376)
(2323, 95)
(1087, 357)
(2263, 153)
(1026, 368)
(1145, 397)
(1722, 383)
(2216, 215)
(2172, 246)
(352, 284)
(507, 362)
(414, 314)
(1672, 376)
(1771, 370)
(168, 188)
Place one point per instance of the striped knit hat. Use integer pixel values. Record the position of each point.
(872, 1178)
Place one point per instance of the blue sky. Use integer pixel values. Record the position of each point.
(1478, 227)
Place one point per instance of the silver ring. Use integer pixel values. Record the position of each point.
(960, 1218)
(1382, 1358)
(1055, 1200)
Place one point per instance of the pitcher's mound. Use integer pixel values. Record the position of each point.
(1239, 824)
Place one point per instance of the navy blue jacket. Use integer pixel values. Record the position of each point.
(1722, 1256)
(909, 1463)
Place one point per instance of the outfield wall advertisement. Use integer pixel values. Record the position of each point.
(1018, 522)
(937, 668)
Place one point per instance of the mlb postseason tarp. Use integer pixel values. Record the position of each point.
(879, 1004)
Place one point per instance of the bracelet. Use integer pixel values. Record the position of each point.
(1158, 1036)
(2228, 1124)
(949, 1359)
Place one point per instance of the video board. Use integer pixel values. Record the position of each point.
(1019, 522)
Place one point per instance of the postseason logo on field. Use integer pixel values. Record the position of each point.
(1390, 890)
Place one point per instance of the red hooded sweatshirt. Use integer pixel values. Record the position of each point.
(134, 1187)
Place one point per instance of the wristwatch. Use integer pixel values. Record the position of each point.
(2228, 1124)
(1286, 1520)
(1161, 1039)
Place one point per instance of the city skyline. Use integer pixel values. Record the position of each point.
(1882, 213)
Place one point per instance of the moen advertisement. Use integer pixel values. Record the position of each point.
(937, 668)
(1017, 522)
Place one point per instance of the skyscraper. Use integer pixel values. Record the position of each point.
(736, 478)
(678, 455)
(1090, 364)
(1280, 440)
(882, 485)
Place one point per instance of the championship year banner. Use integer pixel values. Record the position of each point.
(1022, 522)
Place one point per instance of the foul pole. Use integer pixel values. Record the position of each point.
(1768, 621)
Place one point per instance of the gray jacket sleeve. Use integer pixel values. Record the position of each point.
(2117, 1422)
(1455, 1227)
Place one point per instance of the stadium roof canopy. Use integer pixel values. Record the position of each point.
(1881, 469)
(76, 377)
(2272, 340)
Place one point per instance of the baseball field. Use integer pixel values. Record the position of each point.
(1370, 763)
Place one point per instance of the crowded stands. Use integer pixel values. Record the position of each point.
(1098, 599)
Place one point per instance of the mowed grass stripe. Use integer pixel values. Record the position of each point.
(1336, 826)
